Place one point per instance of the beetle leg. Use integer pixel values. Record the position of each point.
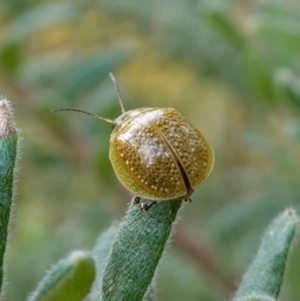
(136, 200)
(146, 205)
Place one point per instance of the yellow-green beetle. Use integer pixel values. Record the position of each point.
(156, 153)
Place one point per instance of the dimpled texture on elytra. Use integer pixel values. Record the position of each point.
(191, 148)
(147, 147)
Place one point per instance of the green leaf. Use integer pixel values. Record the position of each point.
(69, 280)
(255, 297)
(265, 274)
(137, 250)
(8, 156)
(151, 292)
(100, 253)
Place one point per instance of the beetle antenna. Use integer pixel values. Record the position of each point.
(84, 112)
(118, 91)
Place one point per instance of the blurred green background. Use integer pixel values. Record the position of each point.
(231, 67)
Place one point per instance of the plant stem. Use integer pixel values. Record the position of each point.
(69, 280)
(8, 155)
(137, 250)
(264, 277)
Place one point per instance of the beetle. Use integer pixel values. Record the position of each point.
(156, 153)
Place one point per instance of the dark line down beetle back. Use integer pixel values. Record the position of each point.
(156, 153)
